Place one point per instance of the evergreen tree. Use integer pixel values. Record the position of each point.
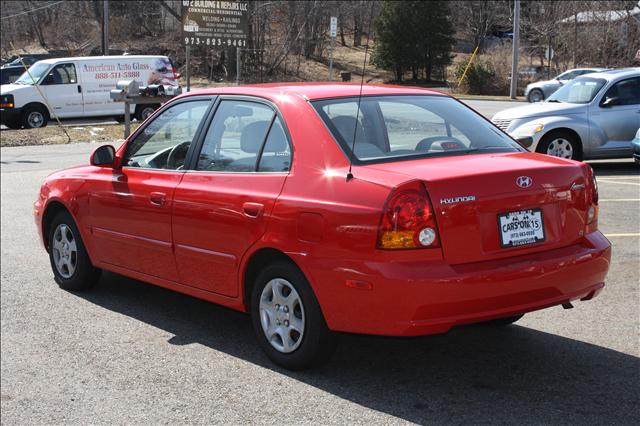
(413, 35)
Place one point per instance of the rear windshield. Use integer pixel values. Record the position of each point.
(391, 128)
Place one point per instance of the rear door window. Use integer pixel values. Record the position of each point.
(245, 137)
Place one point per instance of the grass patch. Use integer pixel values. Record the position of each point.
(54, 135)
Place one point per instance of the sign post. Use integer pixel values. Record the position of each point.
(333, 31)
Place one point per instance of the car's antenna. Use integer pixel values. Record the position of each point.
(355, 126)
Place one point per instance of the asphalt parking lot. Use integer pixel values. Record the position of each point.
(128, 352)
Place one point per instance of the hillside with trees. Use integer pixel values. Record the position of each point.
(410, 40)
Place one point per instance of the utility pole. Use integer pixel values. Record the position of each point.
(516, 45)
(105, 28)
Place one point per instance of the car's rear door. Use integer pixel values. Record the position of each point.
(222, 206)
(614, 125)
(131, 207)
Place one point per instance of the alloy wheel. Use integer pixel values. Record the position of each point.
(560, 148)
(65, 251)
(282, 315)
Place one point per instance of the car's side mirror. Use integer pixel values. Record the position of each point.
(103, 156)
(609, 102)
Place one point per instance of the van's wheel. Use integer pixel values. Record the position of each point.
(504, 321)
(287, 318)
(34, 117)
(535, 95)
(561, 144)
(72, 268)
(144, 111)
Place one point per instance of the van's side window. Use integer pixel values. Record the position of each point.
(62, 74)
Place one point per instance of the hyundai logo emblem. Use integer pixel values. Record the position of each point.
(524, 181)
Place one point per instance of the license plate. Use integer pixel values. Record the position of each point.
(521, 228)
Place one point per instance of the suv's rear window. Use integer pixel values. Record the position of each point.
(404, 127)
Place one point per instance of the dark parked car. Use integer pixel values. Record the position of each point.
(10, 72)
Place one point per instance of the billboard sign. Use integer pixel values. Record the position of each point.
(215, 23)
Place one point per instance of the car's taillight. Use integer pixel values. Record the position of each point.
(408, 220)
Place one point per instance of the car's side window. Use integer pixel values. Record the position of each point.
(235, 138)
(276, 155)
(626, 91)
(164, 142)
(62, 74)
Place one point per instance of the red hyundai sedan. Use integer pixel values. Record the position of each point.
(322, 208)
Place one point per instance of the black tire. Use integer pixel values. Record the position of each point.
(317, 343)
(560, 135)
(536, 95)
(84, 275)
(504, 321)
(34, 117)
(143, 111)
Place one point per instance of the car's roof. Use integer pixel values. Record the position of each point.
(100, 58)
(314, 91)
(614, 74)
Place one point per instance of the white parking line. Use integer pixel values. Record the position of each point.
(637, 234)
(619, 183)
(619, 199)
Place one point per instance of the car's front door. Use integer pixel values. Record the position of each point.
(63, 91)
(223, 205)
(131, 207)
(615, 118)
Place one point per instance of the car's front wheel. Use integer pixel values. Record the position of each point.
(34, 117)
(287, 318)
(561, 144)
(535, 95)
(72, 268)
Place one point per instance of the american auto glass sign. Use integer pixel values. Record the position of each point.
(215, 23)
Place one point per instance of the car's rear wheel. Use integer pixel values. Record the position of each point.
(535, 95)
(72, 268)
(561, 144)
(34, 117)
(505, 321)
(144, 111)
(287, 318)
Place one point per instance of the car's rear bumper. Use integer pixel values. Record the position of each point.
(417, 298)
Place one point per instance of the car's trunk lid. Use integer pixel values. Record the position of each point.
(470, 192)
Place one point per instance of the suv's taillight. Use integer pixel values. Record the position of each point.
(408, 220)
(592, 212)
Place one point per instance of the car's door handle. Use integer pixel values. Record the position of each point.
(79, 89)
(252, 210)
(157, 198)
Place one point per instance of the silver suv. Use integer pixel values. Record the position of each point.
(594, 116)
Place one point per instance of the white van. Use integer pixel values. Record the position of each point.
(79, 87)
